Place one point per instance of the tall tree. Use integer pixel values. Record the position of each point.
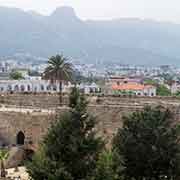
(71, 148)
(148, 146)
(59, 70)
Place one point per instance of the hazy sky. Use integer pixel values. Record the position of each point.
(165, 10)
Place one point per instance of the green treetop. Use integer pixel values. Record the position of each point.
(15, 75)
(148, 146)
(59, 70)
(163, 91)
(70, 149)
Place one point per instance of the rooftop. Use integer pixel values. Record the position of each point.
(130, 87)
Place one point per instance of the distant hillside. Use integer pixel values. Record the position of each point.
(131, 41)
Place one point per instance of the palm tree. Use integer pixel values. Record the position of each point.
(58, 70)
(3, 156)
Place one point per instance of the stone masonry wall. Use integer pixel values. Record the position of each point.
(33, 114)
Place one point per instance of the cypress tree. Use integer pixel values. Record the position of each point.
(71, 148)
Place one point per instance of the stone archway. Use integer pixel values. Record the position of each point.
(16, 88)
(22, 88)
(20, 138)
(42, 87)
(9, 88)
(28, 88)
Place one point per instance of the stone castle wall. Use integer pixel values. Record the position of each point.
(52, 100)
(33, 114)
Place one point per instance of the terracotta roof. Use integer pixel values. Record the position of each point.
(131, 86)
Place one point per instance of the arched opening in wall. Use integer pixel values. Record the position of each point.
(16, 88)
(29, 88)
(48, 88)
(9, 88)
(54, 88)
(2, 89)
(35, 89)
(42, 88)
(22, 88)
(20, 138)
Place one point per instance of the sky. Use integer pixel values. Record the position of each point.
(161, 10)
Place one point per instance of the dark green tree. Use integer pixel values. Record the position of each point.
(71, 148)
(73, 97)
(148, 146)
(163, 90)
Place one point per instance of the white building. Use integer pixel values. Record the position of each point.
(89, 88)
(175, 88)
(40, 86)
(31, 86)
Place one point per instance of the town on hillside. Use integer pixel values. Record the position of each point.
(114, 79)
(89, 90)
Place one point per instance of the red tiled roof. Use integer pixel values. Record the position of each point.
(130, 87)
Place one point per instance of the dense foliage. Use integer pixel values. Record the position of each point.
(163, 91)
(4, 154)
(145, 148)
(70, 149)
(15, 75)
(105, 167)
(148, 146)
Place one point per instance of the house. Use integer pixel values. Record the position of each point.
(175, 87)
(120, 80)
(30, 86)
(134, 88)
(41, 86)
(129, 85)
(89, 88)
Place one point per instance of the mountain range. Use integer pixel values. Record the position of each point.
(126, 41)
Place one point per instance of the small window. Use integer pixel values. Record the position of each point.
(16, 88)
(54, 88)
(42, 88)
(9, 88)
(28, 87)
(22, 88)
(48, 88)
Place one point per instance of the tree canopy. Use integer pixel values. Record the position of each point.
(148, 146)
(70, 149)
(163, 91)
(15, 75)
(58, 70)
(105, 167)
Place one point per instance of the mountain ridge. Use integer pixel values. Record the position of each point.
(127, 40)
